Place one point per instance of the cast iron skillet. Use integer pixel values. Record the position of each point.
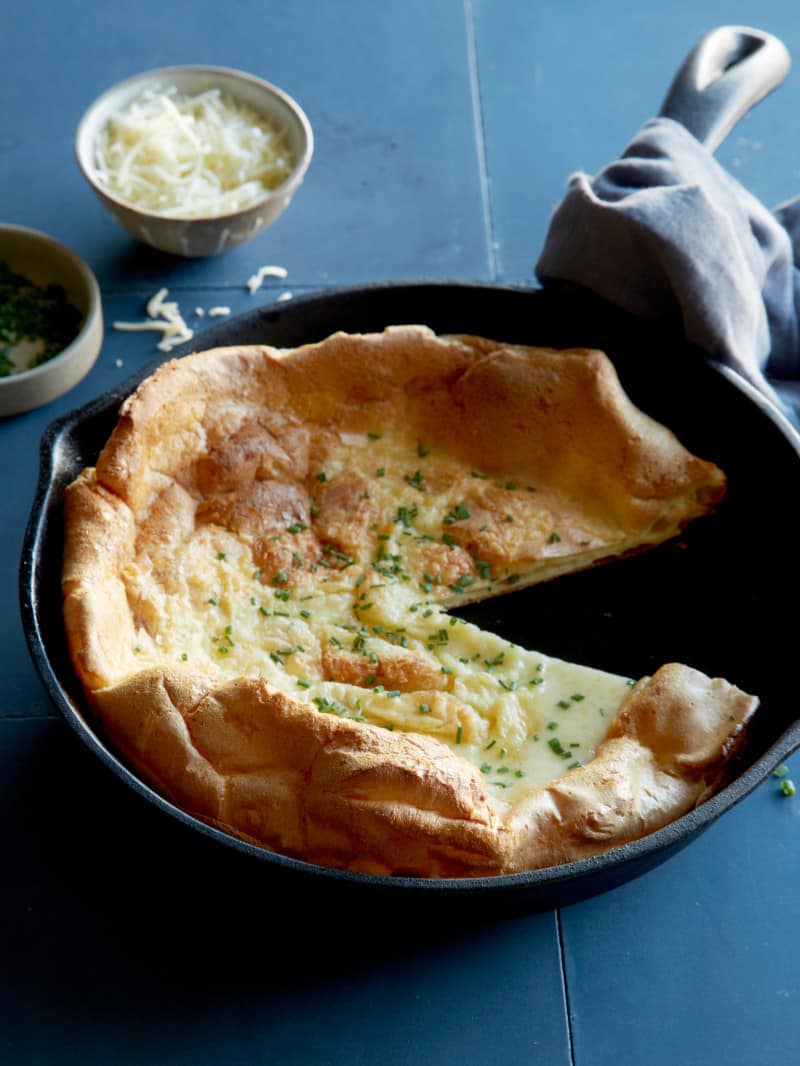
(713, 600)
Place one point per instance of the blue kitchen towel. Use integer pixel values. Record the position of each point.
(665, 232)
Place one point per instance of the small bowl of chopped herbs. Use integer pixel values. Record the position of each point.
(51, 321)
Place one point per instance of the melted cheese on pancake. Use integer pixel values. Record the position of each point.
(354, 622)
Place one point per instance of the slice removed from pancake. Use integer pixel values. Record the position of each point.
(257, 579)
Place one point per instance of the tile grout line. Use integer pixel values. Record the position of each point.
(563, 963)
(480, 139)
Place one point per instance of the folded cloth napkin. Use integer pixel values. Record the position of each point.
(665, 232)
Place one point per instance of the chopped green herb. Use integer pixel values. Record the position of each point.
(38, 314)
(424, 708)
(404, 515)
(459, 513)
(787, 786)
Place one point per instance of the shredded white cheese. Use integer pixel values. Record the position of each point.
(190, 156)
(284, 296)
(170, 323)
(254, 283)
(217, 312)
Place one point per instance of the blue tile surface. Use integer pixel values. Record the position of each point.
(445, 134)
(125, 942)
(565, 86)
(698, 964)
(393, 189)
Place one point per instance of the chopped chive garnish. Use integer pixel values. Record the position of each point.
(787, 786)
(459, 513)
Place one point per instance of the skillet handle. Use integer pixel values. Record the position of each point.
(727, 73)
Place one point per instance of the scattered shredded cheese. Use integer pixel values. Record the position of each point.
(284, 296)
(196, 156)
(254, 283)
(171, 323)
(217, 312)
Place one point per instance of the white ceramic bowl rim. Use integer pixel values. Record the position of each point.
(93, 305)
(83, 147)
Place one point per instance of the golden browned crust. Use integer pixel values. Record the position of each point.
(548, 468)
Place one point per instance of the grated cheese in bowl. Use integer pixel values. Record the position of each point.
(190, 156)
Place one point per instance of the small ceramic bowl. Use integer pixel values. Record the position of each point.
(44, 261)
(199, 236)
